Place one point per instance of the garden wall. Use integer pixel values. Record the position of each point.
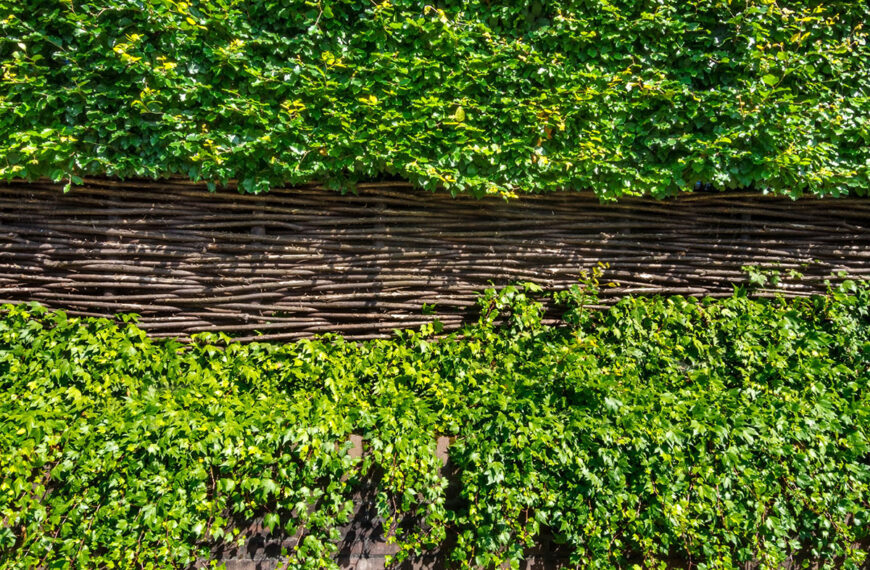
(302, 261)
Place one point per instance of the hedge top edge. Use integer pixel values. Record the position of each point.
(623, 97)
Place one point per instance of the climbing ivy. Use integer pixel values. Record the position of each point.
(715, 432)
(623, 97)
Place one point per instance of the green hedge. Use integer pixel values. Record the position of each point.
(712, 431)
(618, 96)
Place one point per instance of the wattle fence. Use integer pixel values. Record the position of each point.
(301, 261)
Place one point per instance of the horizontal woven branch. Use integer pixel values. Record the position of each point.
(304, 261)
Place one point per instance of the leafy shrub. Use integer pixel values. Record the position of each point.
(618, 96)
(717, 432)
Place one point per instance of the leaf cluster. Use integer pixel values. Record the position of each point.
(623, 97)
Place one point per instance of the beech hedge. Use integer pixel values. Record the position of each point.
(716, 432)
(623, 97)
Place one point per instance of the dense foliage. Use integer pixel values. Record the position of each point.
(713, 432)
(617, 96)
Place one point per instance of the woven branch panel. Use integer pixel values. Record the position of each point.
(297, 262)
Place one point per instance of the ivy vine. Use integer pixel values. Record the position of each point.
(714, 431)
